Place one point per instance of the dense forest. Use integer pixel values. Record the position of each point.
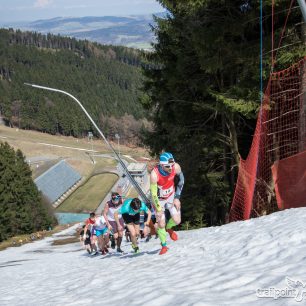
(106, 79)
(204, 90)
(22, 208)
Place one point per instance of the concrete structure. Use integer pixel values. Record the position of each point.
(139, 171)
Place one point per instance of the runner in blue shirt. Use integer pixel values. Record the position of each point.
(130, 211)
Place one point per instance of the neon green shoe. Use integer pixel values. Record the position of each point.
(135, 248)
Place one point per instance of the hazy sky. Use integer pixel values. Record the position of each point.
(26, 10)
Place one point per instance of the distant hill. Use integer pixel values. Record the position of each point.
(130, 31)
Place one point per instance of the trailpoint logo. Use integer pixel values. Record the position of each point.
(295, 289)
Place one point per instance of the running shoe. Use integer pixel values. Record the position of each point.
(119, 250)
(135, 248)
(148, 238)
(173, 234)
(163, 250)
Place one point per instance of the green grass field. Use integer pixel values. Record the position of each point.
(88, 197)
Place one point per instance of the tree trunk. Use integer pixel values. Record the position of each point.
(233, 138)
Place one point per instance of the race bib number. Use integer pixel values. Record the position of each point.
(164, 193)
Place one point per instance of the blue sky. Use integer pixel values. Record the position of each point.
(28, 10)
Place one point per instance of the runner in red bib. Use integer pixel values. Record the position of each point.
(166, 195)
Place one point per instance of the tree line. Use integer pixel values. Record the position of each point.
(106, 79)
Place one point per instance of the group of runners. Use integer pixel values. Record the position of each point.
(166, 184)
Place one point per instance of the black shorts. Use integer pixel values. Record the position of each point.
(167, 215)
(131, 218)
(153, 218)
(87, 241)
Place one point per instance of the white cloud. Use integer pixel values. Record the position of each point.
(42, 3)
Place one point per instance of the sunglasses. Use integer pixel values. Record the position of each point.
(116, 198)
(170, 163)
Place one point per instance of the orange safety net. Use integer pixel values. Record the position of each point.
(280, 133)
(289, 176)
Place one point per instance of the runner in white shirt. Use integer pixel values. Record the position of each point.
(109, 209)
(102, 232)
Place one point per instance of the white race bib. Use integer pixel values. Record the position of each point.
(163, 193)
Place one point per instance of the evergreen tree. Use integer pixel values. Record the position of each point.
(21, 207)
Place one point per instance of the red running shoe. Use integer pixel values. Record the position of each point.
(173, 234)
(163, 250)
(106, 250)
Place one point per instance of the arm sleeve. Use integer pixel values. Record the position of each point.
(153, 188)
(179, 186)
